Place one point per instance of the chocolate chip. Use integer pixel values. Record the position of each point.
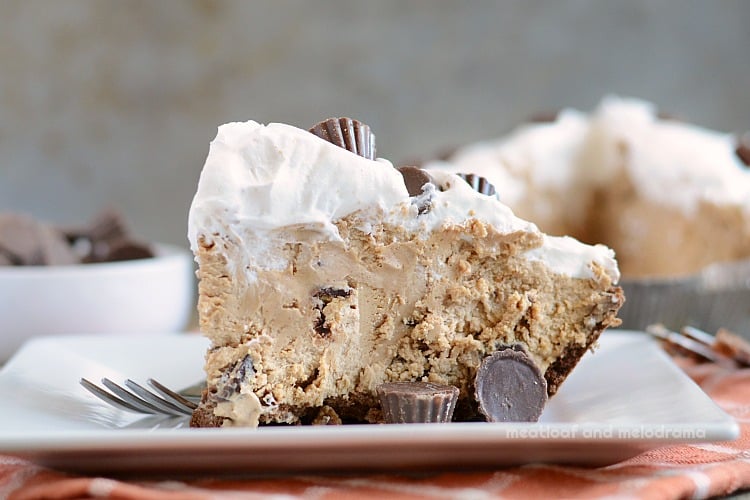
(231, 382)
(509, 387)
(417, 402)
(329, 293)
(415, 179)
(320, 326)
(743, 149)
(479, 184)
(325, 296)
(243, 369)
(349, 134)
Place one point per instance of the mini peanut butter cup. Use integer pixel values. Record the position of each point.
(509, 387)
(479, 184)
(107, 239)
(414, 179)
(417, 402)
(349, 134)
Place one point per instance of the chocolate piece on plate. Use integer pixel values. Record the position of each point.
(479, 183)
(414, 179)
(349, 134)
(509, 387)
(417, 402)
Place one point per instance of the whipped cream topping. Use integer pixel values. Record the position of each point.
(267, 177)
(674, 163)
(258, 180)
(459, 202)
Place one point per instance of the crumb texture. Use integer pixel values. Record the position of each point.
(312, 341)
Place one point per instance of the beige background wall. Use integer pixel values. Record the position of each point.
(115, 102)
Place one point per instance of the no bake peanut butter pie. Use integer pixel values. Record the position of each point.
(669, 196)
(329, 277)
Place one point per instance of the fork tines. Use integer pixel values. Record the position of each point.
(138, 399)
(725, 348)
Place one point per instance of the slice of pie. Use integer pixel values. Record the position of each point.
(322, 276)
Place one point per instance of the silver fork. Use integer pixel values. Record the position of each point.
(138, 399)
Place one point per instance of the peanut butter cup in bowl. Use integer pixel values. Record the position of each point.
(93, 279)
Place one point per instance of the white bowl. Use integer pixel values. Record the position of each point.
(154, 295)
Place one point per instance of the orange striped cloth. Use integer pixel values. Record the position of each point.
(688, 471)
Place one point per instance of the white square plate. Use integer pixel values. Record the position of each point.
(625, 398)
